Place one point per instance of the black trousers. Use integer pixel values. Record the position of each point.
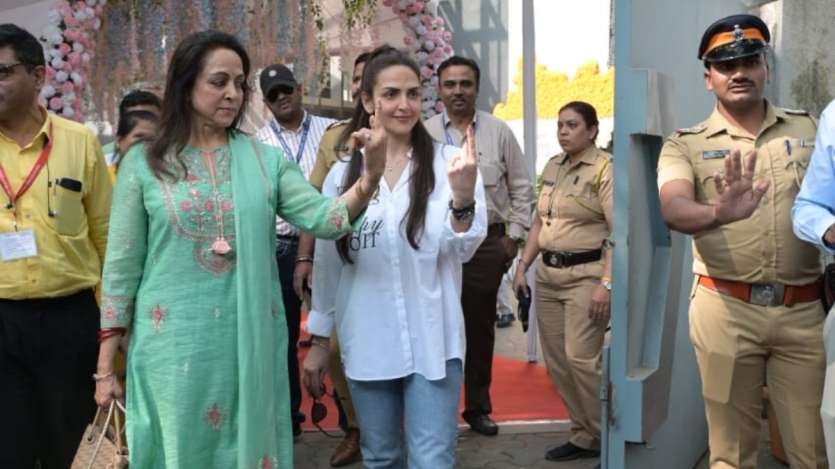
(482, 276)
(48, 353)
(285, 255)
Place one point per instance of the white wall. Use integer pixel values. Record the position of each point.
(31, 16)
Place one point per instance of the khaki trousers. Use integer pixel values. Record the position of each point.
(340, 383)
(572, 343)
(741, 347)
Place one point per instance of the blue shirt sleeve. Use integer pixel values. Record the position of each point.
(814, 209)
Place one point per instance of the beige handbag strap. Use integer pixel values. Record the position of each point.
(112, 414)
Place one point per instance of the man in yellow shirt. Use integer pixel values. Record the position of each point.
(54, 208)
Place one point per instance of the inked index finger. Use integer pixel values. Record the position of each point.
(378, 106)
(471, 151)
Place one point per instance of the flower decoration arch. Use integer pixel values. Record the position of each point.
(430, 42)
(73, 29)
(70, 40)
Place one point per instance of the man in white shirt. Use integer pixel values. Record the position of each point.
(296, 133)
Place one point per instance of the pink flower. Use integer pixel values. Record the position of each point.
(426, 72)
(55, 103)
(67, 87)
(50, 73)
(439, 21)
(74, 59)
(209, 205)
(226, 205)
(65, 48)
(70, 21)
(427, 20)
(418, 6)
(447, 36)
(185, 205)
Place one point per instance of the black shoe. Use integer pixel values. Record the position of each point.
(482, 423)
(504, 320)
(569, 451)
(297, 431)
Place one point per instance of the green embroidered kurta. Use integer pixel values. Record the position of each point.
(207, 372)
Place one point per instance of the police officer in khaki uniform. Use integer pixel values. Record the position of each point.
(573, 277)
(755, 313)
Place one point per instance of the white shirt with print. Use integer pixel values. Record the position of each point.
(397, 310)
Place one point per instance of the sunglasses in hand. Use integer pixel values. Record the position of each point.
(318, 412)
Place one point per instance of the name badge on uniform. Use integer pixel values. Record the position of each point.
(17, 245)
(715, 154)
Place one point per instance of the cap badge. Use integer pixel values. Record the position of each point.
(739, 35)
(272, 73)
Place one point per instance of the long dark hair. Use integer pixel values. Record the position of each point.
(176, 119)
(422, 177)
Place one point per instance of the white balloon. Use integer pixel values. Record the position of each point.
(76, 78)
(429, 45)
(61, 76)
(78, 47)
(97, 24)
(85, 57)
(68, 112)
(90, 12)
(56, 38)
(53, 16)
(57, 63)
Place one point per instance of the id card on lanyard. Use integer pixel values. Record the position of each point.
(302, 141)
(21, 244)
(449, 139)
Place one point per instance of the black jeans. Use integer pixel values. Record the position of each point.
(48, 352)
(286, 250)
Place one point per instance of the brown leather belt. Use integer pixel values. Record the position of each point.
(764, 294)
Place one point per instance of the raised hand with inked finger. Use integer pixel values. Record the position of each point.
(462, 172)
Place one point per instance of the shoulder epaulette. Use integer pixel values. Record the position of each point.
(796, 112)
(696, 129)
(338, 123)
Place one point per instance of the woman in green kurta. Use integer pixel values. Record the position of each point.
(189, 272)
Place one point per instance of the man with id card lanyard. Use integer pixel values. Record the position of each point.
(54, 208)
(508, 188)
(297, 134)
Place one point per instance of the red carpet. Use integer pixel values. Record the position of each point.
(520, 391)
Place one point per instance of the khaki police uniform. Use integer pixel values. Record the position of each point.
(326, 156)
(575, 207)
(771, 336)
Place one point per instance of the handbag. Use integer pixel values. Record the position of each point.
(102, 446)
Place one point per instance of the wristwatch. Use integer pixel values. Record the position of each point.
(607, 284)
(464, 214)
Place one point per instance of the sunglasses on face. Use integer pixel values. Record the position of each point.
(6, 70)
(280, 90)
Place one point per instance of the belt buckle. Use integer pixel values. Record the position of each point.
(767, 294)
(556, 259)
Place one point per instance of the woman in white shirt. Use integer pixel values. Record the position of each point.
(393, 287)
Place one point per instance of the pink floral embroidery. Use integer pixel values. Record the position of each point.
(158, 316)
(109, 313)
(266, 463)
(337, 220)
(194, 193)
(191, 178)
(209, 205)
(215, 416)
(185, 205)
(226, 205)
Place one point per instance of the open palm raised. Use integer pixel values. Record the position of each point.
(739, 195)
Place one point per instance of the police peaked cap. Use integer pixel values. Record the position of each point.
(734, 37)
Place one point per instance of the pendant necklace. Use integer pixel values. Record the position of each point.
(220, 246)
